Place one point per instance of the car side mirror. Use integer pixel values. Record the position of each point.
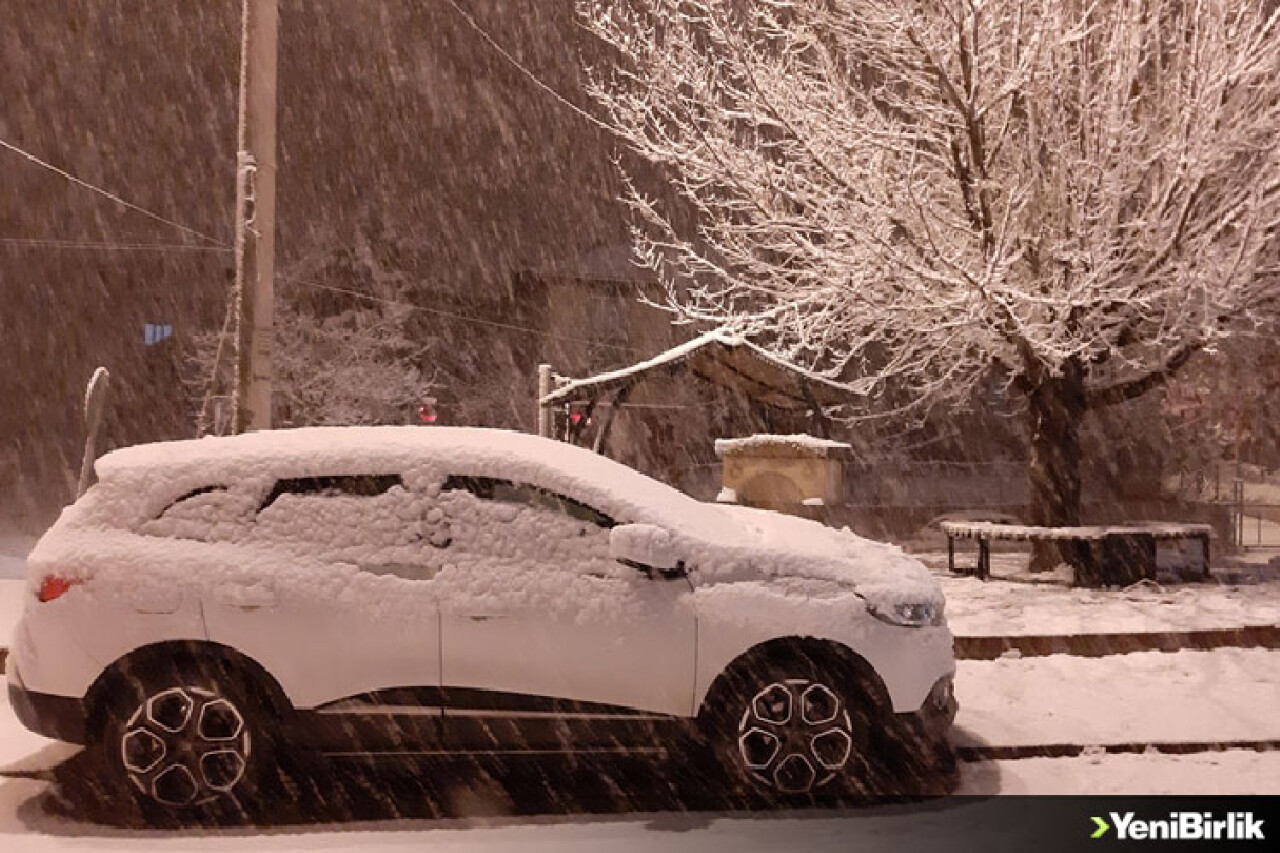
(645, 546)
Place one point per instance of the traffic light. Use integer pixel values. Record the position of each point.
(427, 412)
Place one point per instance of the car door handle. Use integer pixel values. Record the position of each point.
(246, 596)
(482, 618)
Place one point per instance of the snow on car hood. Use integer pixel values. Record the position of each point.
(776, 545)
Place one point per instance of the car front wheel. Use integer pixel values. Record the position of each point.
(791, 726)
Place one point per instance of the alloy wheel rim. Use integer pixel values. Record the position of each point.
(185, 746)
(795, 736)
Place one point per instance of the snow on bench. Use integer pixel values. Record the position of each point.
(996, 530)
(1132, 544)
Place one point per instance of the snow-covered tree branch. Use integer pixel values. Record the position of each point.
(358, 367)
(350, 361)
(913, 195)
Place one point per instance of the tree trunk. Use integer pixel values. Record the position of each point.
(1056, 407)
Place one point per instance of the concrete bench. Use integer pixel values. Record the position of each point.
(1100, 554)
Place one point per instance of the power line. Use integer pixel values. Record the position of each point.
(36, 243)
(462, 317)
(527, 73)
(107, 194)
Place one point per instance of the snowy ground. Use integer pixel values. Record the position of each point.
(1008, 607)
(1146, 697)
(1243, 591)
(1236, 771)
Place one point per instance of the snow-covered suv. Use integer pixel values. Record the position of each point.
(363, 589)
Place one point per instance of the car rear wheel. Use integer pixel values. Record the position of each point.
(190, 741)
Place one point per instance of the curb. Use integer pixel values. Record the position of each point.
(1099, 645)
(1073, 750)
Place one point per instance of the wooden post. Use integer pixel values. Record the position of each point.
(602, 435)
(544, 412)
(1204, 544)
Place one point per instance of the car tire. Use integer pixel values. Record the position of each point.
(188, 739)
(792, 725)
(921, 768)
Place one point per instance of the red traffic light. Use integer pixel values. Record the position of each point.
(427, 413)
(578, 414)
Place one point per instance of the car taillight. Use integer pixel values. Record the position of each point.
(54, 587)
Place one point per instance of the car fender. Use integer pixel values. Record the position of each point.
(734, 618)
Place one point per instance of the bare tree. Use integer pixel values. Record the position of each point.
(1072, 195)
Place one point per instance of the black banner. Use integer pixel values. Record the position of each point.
(1041, 824)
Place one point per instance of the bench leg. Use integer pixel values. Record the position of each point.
(951, 554)
(984, 559)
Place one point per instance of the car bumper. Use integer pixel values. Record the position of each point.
(937, 713)
(56, 717)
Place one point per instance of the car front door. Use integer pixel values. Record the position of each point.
(538, 621)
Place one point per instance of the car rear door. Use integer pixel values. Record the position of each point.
(332, 590)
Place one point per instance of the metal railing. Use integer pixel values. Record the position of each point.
(1255, 525)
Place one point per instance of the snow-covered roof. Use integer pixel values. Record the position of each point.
(727, 360)
(806, 445)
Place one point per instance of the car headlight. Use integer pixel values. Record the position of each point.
(910, 614)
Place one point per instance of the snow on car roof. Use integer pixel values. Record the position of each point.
(319, 445)
(469, 451)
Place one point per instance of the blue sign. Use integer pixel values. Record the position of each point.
(154, 333)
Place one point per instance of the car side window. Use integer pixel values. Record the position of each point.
(211, 513)
(357, 486)
(494, 489)
(505, 526)
(371, 521)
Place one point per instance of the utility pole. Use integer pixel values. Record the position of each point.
(255, 216)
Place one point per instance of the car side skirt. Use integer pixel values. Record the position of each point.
(431, 721)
